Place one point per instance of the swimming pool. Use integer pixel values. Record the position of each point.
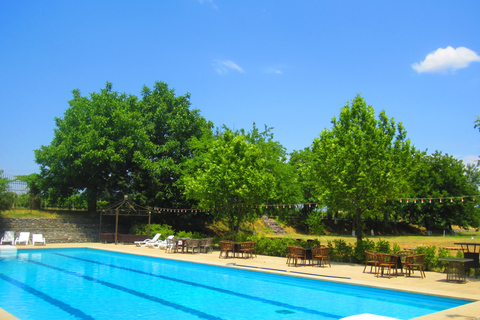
(96, 284)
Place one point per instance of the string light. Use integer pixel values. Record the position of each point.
(303, 205)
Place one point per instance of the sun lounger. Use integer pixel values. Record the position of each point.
(38, 238)
(9, 236)
(23, 237)
(146, 241)
(161, 243)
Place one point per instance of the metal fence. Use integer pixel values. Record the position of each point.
(15, 185)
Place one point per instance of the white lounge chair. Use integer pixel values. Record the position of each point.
(9, 236)
(38, 238)
(23, 237)
(171, 245)
(146, 241)
(161, 243)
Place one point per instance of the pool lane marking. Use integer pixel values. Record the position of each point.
(282, 270)
(167, 303)
(241, 295)
(60, 304)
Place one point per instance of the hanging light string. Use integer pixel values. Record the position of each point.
(315, 204)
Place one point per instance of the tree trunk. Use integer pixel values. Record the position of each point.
(359, 224)
(91, 201)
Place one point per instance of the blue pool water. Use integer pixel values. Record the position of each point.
(94, 284)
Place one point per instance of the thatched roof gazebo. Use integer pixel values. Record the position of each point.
(125, 208)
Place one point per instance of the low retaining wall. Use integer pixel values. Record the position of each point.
(58, 230)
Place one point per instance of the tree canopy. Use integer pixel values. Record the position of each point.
(111, 144)
(362, 159)
(234, 173)
(445, 180)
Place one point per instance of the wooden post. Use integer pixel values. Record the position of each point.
(149, 219)
(116, 227)
(100, 227)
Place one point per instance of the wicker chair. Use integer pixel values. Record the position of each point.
(290, 253)
(388, 261)
(192, 244)
(226, 247)
(415, 262)
(315, 254)
(170, 245)
(247, 248)
(370, 260)
(206, 244)
(322, 256)
(299, 253)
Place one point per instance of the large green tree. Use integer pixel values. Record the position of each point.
(442, 181)
(110, 144)
(171, 124)
(360, 161)
(235, 173)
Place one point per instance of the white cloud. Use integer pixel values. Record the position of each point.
(223, 67)
(446, 59)
(208, 1)
(273, 70)
(470, 160)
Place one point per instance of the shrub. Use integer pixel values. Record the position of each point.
(341, 252)
(189, 234)
(164, 229)
(271, 247)
(431, 259)
(383, 246)
(443, 253)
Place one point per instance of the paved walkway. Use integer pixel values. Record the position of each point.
(434, 283)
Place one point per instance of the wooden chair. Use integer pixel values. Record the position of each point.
(206, 244)
(192, 244)
(290, 253)
(299, 253)
(370, 260)
(247, 248)
(388, 261)
(415, 262)
(315, 254)
(226, 247)
(322, 256)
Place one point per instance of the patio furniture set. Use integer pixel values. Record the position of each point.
(316, 255)
(247, 249)
(173, 245)
(23, 238)
(456, 268)
(405, 260)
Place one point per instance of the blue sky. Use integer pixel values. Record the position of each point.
(291, 65)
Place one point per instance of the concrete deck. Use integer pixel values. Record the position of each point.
(433, 284)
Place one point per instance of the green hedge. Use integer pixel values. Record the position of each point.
(165, 230)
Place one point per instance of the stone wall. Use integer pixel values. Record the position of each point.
(58, 230)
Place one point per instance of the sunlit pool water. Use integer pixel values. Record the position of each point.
(96, 284)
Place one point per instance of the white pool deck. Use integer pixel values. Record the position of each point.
(433, 284)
